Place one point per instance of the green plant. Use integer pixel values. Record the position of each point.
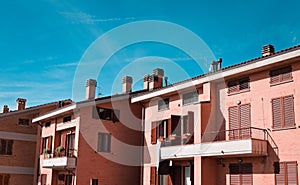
(47, 151)
(59, 150)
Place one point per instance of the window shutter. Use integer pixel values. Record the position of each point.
(63, 140)
(153, 177)
(153, 133)
(232, 87)
(191, 122)
(50, 142)
(291, 170)
(169, 127)
(9, 147)
(6, 179)
(279, 178)
(234, 174)
(245, 118)
(288, 109)
(246, 171)
(233, 122)
(277, 114)
(41, 145)
(275, 78)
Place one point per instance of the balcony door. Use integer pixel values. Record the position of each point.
(239, 122)
(70, 145)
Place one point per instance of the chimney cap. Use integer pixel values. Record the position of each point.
(91, 82)
(21, 100)
(158, 72)
(267, 50)
(5, 106)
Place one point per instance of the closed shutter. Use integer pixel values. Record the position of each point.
(41, 145)
(233, 87)
(241, 174)
(275, 77)
(277, 113)
(245, 121)
(288, 109)
(153, 176)
(169, 127)
(63, 140)
(234, 174)
(153, 133)
(292, 173)
(233, 122)
(286, 74)
(50, 142)
(191, 122)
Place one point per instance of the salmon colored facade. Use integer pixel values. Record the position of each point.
(97, 141)
(236, 125)
(18, 142)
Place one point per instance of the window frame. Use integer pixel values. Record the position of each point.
(285, 173)
(163, 104)
(7, 149)
(67, 119)
(4, 178)
(234, 86)
(106, 114)
(22, 121)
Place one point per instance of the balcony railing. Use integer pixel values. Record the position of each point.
(64, 153)
(240, 134)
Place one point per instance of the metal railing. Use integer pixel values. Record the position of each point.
(240, 134)
(64, 153)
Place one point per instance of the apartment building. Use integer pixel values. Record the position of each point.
(236, 125)
(18, 142)
(96, 141)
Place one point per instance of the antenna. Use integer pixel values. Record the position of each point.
(99, 91)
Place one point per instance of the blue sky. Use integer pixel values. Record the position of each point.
(43, 41)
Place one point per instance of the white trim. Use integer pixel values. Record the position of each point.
(71, 124)
(220, 75)
(17, 136)
(54, 113)
(17, 170)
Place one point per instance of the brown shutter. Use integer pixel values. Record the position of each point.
(233, 87)
(277, 113)
(63, 141)
(286, 74)
(153, 133)
(233, 122)
(288, 111)
(247, 174)
(153, 176)
(245, 121)
(234, 174)
(275, 78)
(41, 145)
(191, 122)
(50, 142)
(169, 127)
(292, 172)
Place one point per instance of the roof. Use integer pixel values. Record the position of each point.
(33, 108)
(220, 73)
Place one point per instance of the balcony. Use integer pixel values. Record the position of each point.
(228, 143)
(64, 160)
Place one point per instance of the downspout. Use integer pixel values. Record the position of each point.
(142, 142)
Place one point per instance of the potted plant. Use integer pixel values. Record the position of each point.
(59, 151)
(47, 151)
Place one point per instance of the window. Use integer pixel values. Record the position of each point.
(46, 145)
(47, 124)
(241, 174)
(104, 142)
(283, 112)
(281, 75)
(24, 122)
(288, 174)
(70, 144)
(163, 104)
(190, 97)
(238, 86)
(69, 179)
(4, 179)
(94, 181)
(188, 123)
(6, 147)
(162, 129)
(67, 119)
(107, 114)
(239, 121)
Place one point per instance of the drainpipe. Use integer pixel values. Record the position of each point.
(142, 147)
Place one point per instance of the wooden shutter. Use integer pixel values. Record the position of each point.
(153, 133)
(153, 176)
(191, 122)
(233, 87)
(169, 127)
(277, 113)
(292, 173)
(233, 122)
(245, 121)
(50, 142)
(41, 145)
(286, 74)
(275, 77)
(247, 174)
(288, 111)
(234, 174)
(63, 141)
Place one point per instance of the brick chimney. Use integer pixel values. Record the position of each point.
(5, 109)
(90, 90)
(267, 50)
(126, 84)
(146, 82)
(156, 79)
(21, 103)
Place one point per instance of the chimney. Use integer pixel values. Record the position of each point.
(5, 109)
(90, 90)
(267, 50)
(21, 103)
(156, 79)
(126, 84)
(146, 82)
(216, 65)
